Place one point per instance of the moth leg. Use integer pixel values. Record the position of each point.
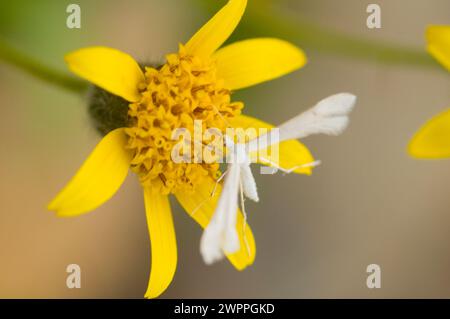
(213, 193)
(217, 183)
(290, 170)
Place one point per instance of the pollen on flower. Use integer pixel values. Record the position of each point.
(183, 90)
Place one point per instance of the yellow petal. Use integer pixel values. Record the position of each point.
(163, 242)
(432, 141)
(201, 206)
(98, 179)
(438, 38)
(217, 30)
(110, 69)
(291, 153)
(246, 63)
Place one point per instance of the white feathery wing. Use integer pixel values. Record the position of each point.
(329, 116)
(221, 234)
(248, 183)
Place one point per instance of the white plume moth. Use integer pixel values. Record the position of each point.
(329, 116)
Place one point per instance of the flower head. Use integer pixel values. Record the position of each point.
(432, 140)
(194, 84)
(184, 89)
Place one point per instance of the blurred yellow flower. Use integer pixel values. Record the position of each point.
(432, 141)
(193, 84)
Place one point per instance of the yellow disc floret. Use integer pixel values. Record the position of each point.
(183, 90)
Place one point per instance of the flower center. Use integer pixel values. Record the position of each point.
(184, 90)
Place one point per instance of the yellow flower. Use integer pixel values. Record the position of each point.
(194, 84)
(432, 141)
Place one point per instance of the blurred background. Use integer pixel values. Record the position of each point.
(368, 203)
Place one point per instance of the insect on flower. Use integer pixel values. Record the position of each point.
(137, 108)
(329, 116)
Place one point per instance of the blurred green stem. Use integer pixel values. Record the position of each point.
(265, 18)
(37, 69)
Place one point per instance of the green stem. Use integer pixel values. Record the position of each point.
(262, 19)
(265, 19)
(38, 70)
